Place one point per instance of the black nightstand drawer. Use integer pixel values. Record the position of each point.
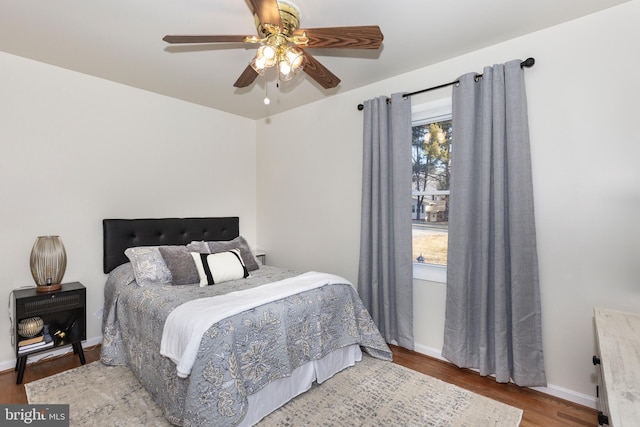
(52, 303)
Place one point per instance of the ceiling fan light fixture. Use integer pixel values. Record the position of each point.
(258, 65)
(285, 71)
(266, 57)
(289, 63)
(295, 58)
(289, 59)
(269, 53)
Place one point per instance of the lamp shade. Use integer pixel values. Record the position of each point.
(48, 262)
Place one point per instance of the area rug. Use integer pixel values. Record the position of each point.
(372, 393)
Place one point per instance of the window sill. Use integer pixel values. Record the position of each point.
(430, 272)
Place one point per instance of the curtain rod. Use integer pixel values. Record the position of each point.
(526, 63)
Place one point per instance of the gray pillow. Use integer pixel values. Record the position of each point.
(148, 265)
(199, 246)
(222, 246)
(181, 265)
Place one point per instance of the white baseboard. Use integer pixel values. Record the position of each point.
(550, 389)
(429, 351)
(11, 364)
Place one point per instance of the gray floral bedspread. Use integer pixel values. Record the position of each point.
(237, 356)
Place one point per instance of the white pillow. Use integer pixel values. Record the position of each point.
(220, 267)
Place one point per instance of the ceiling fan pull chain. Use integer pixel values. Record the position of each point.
(266, 101)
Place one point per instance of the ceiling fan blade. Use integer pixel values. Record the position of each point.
(319, 72)
(204, 39)
(362, 37)
(267, 11)
(247, 77)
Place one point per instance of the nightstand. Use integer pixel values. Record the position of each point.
(63, 312)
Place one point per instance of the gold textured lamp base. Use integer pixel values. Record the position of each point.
(48, 288)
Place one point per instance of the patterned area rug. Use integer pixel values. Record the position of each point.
(372, 393)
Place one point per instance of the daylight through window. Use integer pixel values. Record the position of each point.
(432, 138)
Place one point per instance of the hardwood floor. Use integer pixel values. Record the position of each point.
(539, 409)
(10, 392)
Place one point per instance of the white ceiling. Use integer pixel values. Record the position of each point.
(121, 40)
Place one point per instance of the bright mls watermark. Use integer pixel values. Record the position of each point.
(34, 415)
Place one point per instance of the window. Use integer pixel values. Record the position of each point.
(432, 137)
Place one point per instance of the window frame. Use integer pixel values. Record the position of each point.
(430, 112)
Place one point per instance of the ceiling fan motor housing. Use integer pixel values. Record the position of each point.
(289, 15)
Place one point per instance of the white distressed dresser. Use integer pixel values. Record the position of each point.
(618, 358)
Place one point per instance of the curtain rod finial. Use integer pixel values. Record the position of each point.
(360, 107)
(528, 62)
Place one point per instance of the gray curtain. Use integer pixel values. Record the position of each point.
(493, 320)
(385, 277)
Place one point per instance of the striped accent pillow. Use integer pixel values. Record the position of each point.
(219, 267)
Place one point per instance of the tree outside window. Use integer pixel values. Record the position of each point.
(431, 172)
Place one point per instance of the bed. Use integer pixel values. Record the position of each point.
(245, 364)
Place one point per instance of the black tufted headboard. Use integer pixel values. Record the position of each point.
(120, 234)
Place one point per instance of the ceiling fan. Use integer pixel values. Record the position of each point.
(283, 43)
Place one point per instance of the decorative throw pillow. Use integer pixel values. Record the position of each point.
(148, 265)
(181, 265)
(219, 267)
(222, 246)
(199, 246)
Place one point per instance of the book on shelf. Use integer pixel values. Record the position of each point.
(44, 340)
(35, 346)
(32, 340)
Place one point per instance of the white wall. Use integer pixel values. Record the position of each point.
(309, 174)
(583, 113)
(76, 149)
